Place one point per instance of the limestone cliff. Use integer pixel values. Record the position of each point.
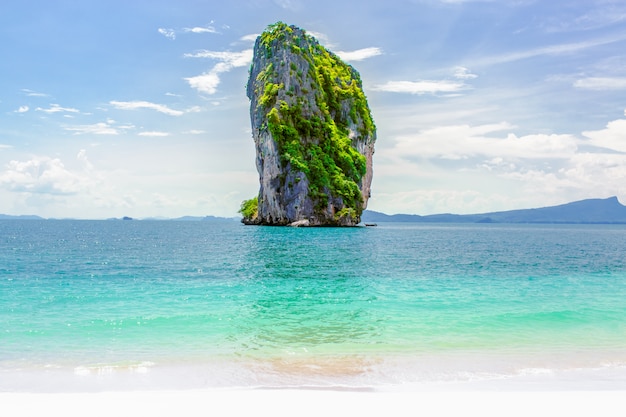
(313, 132)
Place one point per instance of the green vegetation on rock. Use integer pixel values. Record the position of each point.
(313, 131)
(249, 209)
(318, 145)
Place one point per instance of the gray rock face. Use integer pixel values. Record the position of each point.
(313, 132)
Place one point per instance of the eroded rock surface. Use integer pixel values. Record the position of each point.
(313, 132)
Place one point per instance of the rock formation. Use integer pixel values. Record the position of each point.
(313, 132)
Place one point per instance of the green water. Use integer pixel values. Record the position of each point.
(78, 295)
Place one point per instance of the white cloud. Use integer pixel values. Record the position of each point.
(41, 175)
(421, 87)
(447, 87)
(82, 157)
(208, 81)
(193, 109)
(249, 38)
(31, 93)
(321, 38)
(101, 128)
(126, 127)
(22, 109)
(135, 105)
(154, 134)
(597, 17)
(547, 50)
(502, 170)
(201, 29)
(434, 201)
(194, 132)
(457, 142)
(595, 174)
(359, 54)
(463, 73)
(612, 137)
(205, 83)
(601, 83)
(171, 33)
(168, 33)
(55, 108)
(234, 59)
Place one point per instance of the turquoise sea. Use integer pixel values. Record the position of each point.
(101, 305)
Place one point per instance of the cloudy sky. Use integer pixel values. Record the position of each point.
(138, 108)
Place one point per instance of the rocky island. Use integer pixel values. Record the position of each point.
(313, 131)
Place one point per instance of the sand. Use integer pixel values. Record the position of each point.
(311, 402)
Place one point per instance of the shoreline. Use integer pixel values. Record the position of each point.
(533, 391)
(531, 380)
(468, 372)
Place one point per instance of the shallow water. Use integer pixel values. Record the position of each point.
(125, 304)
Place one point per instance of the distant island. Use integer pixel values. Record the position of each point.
(591, 211)
(20, 217)
(126, 218)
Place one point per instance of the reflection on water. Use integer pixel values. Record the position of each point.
(307, 294)
(351, 370)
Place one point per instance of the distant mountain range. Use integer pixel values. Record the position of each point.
(178, 219)
(592, 211)
(197, 219)
(22, 217)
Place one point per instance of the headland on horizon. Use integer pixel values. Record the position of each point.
(588, 211)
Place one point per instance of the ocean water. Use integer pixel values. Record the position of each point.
(101, 305)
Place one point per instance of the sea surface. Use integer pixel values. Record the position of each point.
(124, 305)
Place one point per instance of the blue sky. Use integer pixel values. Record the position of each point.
(138, 108)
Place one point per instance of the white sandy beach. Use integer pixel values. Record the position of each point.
(303, 402)
(536, 392)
